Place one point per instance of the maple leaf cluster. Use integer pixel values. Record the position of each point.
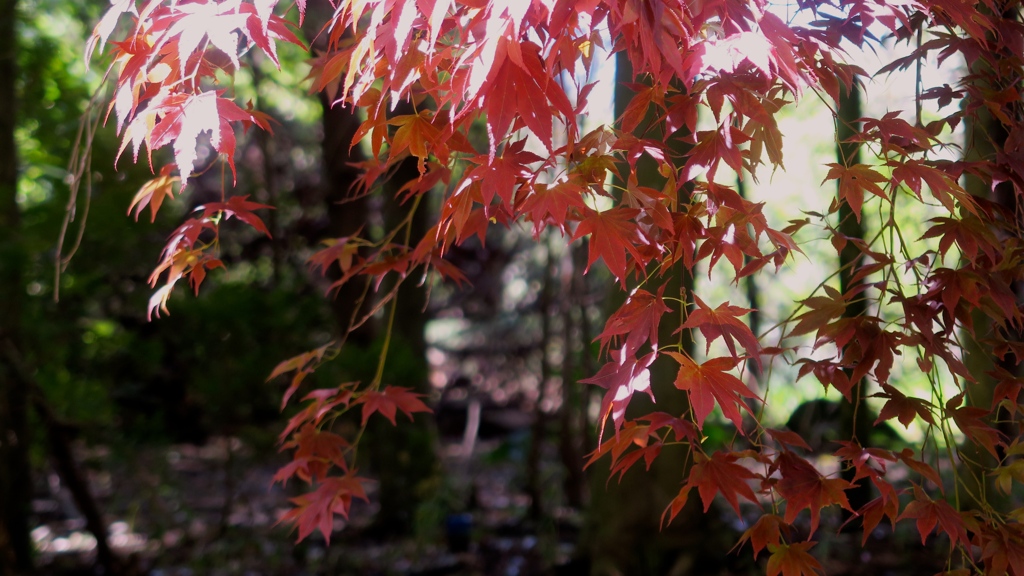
(523, 67)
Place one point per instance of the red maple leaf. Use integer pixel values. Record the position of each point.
(240, 208)
(804, 487)
(723, 322)
(913, 172)
(612, 233)
(315, 510)
(388, 402)
(318, 450)
(903, 407)
(638, 319)
(498, 177)
(709, 383)
(417, 134)
(338, 250)
(787, 438)
(1002, 549)
(792, 560)
(970, 421)
(322, 402)
(970, 234)
(862, 459)
(721, 474)
(930, 513)
(630, 434)
(823, 310)
(153, 193)
(676, 505)
(922, 468)
(683, 429)
(302, 364)
(854, 181)
(553, 203)
(871, 514)
(622, 377)
(712, 147)
(765, 532)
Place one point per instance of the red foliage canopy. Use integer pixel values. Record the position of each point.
(524, 66)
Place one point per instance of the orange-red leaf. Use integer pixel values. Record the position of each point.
(723, 322)
(721, 474)
(931, 513)
(804, 487)
(792, 560)
(315, 510)
(612, 234)
(765, 532)
(388, 402)
(709, 383)
(638, 319)
(153, 193)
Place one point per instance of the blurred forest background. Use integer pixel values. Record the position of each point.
(151, 446)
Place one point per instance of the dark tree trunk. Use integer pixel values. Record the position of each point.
(986, 138)
(570, 439)
(347, 213)
(539, 427)
(265, 141)
(15, 477)
(624, 531)
(400, 457)
(403, 457)
(59, 446)
(854, 417)
(753, 295)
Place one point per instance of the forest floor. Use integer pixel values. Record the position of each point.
(185, 510)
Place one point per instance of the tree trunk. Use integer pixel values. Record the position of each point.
(346, 214)
(624, 530)
(64, 460)
(403, 458)
(570, 439)
(539, 427)
(400, 457)
(985, 139)
(753, 297)
(854, 417)
(15, 478)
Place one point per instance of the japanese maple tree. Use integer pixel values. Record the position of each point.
(523, 66)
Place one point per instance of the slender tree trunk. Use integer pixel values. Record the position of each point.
(753, 295)
(985, 139)
(346, 214)
(15, 474)
(578, 254)
(854, 417)
(624, 520)
(569, 437)
(265, 142)
(403, 457)
(538, 430)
